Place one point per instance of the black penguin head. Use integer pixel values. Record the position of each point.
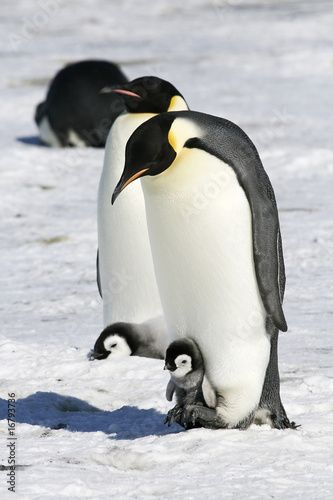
(148, 151)
(148, 94)
(116, 340)
(183, 354)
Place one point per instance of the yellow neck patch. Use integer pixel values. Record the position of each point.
(177, 103)
(172, 138)
(180, 131)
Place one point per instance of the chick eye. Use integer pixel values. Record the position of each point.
(113, 346)
(184, 362)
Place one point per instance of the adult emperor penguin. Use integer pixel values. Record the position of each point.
(125, 271)
(216, 245)
(74, 112)
(125, 339)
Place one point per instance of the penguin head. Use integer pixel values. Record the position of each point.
(154, 145)
(149, 94)
(147, 157)
(180, 367)
(115, 341)
(182, 357)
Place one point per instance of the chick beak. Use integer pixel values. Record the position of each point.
(170, 367)
(96, 355)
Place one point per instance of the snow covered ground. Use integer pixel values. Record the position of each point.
(95, 429)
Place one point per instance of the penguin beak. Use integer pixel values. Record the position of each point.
(170, 367)
(97, 355)
(106, 90)
(123, 183)
(127, 92)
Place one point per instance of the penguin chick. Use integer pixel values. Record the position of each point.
(184, 361)
(128, 339)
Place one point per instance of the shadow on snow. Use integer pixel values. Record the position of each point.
(32, 140)
(55, 411)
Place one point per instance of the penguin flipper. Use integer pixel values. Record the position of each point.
(98, 276)
(171, 387)
(267, 245)
(268, 260)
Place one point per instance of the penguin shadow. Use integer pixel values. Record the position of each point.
(32, 140)
(55, 411)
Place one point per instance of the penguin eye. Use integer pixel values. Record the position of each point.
(113, 346)
(184, 362)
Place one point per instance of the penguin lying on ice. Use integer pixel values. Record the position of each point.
(184, 361)
(216, 246)
(125, 339)
(125, 273)
(75, 113)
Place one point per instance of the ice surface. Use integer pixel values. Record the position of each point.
(95, 429)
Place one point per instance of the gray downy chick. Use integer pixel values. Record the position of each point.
(184, 361)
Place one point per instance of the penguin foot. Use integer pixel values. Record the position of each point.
(200, 416)
(283, 423)
(174, 415)
(276, 418)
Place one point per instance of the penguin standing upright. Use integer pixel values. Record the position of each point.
(184, 361)
(74, 112)
(125, 271)
(216, 245)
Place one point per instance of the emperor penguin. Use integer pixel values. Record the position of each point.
(184, 361)
(125, 271)
(127, 339)
(74, 112)
(216, 245)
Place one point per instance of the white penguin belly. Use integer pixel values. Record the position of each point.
(46, 134)
(127, 276)
(75, 140)
(200, 230)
